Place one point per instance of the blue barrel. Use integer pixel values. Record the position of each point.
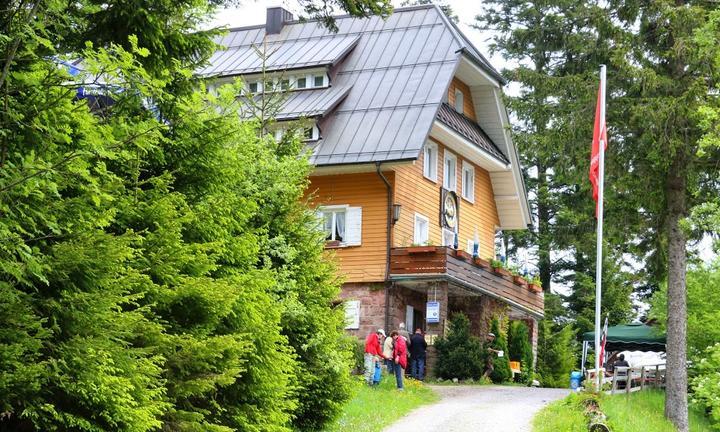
(575, 378)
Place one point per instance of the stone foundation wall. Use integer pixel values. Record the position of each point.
(479, 310)
(372, 306)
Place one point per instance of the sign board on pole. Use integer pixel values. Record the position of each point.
(433, 312)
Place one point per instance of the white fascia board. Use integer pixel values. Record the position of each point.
(514, 160)
(477, 69)
(356, 168)
(467, 149)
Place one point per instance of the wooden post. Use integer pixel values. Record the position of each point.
(642, 379)
(657, 376)
(628, 382)
(614, 386)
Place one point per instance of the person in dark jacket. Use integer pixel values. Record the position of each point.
(418, 346)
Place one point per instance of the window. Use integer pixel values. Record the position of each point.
(450, 174)
(459, 101)
(334, 224)
(310, 133)
(468, 181)
(255, 87)
(284, 84)
(352, 314)
(430, 161)
(342, 223)
(319, 80)
(301, 83)
(448, 237)
(422, 230)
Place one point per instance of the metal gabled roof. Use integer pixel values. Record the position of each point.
(470, 131)
(395, 72)
(280, 55)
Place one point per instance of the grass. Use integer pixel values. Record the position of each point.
(639, 412)
(371, 409)
(643, 411)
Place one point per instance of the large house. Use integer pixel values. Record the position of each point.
(415, 168)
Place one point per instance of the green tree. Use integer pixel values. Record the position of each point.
(556, 356)
(501, 372)
(159, 267)
(703, 283)
(519, 349)
(459, 354)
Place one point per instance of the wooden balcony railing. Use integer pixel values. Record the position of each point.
(458, 267)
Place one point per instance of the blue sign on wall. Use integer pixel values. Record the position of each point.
(433, 312)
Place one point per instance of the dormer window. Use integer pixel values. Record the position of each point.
(319, 80)
(309, 133)
(255, 87)
(459, 101)
(301, 83)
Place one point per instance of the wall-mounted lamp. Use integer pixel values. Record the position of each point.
(396, 212)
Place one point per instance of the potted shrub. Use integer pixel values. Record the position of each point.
(481, 262)
(462, 254)
(500, 269)
(519, 280)
(535, 285)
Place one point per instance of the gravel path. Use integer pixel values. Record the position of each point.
(467, 408)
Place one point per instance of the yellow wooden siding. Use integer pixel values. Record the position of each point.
(468, 107)
(417, 194)
(364, 263)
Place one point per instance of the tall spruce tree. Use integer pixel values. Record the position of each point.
(555, 51)
(158, 267)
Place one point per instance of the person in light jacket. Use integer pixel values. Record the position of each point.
(388, 347)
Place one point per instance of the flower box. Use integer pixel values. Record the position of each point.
(462, 254)
(520, 281)
(481, 262)
(535, 288)
(502, 271)
(421, 249)
(330, 244)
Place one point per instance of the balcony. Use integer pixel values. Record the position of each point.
(431, 263)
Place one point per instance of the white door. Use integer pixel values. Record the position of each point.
(409, 314)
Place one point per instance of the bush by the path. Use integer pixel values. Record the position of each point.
(520, 349)
(501, 371)
(459, 354)
(556, 356)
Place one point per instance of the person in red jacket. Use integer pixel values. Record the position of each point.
(373, 353)
(400, 356)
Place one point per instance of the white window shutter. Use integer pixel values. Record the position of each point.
(353, 226)
(352, 314)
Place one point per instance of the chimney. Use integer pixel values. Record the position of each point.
(276, 19)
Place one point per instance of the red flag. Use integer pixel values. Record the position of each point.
(599, 134)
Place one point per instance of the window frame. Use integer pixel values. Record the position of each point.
(426, 220)
(468, 167)
(459, 101)
(430, 147)
(449, 156)
(334, 209)
(446, 231)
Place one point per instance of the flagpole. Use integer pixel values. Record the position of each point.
(598, 264)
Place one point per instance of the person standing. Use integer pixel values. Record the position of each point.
(418, 348)
(400, 357)
(388, 354)
(373, 352)
(404, 333)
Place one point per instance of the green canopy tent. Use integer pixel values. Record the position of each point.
(631, 337)
(627, 337)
